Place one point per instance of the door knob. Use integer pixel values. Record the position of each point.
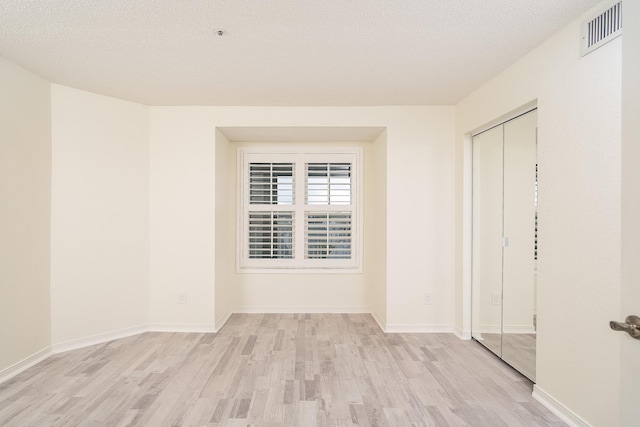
(630, 326)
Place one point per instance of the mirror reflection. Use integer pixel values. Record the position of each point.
(504, 241)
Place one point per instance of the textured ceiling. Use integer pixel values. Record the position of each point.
(277, 52)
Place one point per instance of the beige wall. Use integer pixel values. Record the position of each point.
(579, 214)
(25, 200)
(99, 216)
(417, 157)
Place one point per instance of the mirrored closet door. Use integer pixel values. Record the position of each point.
(504, 241)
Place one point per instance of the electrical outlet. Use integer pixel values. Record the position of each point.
(428, 298)
(182, 297)
(496, 299)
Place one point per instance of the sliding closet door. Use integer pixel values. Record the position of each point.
(518, 309)
(487, 238)
(504, 241)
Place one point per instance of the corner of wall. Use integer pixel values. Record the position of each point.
(25, 229)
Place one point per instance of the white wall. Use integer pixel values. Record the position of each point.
(183, 218)
(630, 297)
(420, 220)
(99, 216)
(225, 193)
(25, 200)
(378, 296)
(579, 213)
(419, 174)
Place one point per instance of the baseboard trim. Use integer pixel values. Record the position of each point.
(490, 329)
(463, 335)
(382, 325)
(564, 413)
(26, 363)
(300, 310)
(418, 329)
(98, 339)
(497, 329)
(182, 327)
(522, 329)
(221, 321)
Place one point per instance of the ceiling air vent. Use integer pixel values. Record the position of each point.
(601, 29)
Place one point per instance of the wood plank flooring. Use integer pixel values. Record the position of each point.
(275, 370)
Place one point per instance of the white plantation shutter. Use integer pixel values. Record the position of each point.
(328, 183)
(299, 210)
(328, 235)
(271, 183)
(270, 235)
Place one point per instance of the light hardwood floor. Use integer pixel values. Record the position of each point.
(275, 370)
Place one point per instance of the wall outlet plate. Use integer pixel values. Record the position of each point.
(496, 299)
(428, 298)
(182, 297)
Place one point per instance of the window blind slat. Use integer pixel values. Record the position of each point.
(328, 183)
(328, 235)
(271, 184)
(270, 235)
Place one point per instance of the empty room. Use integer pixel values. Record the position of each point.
(299, 213)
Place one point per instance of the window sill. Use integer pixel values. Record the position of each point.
(299, 270)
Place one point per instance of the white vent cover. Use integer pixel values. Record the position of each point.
(601, 29)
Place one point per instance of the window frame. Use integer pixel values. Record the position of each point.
(300, 156)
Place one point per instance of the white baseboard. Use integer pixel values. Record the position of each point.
(181, 327)
(564, 413)
(99, 338)
(463, 335)
(222, 320)
(299, 310)
(382, 325)
(490, 329)
(13, 370)
(418, 329)
(515, 329)
(519, 329)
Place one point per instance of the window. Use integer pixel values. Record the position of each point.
(299, 210)
(328, 235)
